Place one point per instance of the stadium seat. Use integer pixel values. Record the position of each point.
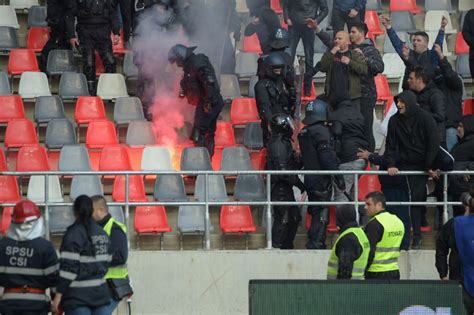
(117, 213)
(151, 220)
(432, 38)
(60, 132)
(20, 132)
(119, 49)
(394, 66)
(236, 219)
(404, 5)
(235, 159)
(169, 188)
(462, 66)
(251, 44)
(128, 109)
(140, 133)
(32, 159)
(403, 21)
(48, 108)
(253, 138)
(445, 5)
(3, 161)
(111, 86)
(367, 184)
(74, 158)
(373, 23)
(6, 219)
(275, 5)
(23, 4)
(253, 81)
(136, 189)
(464, 6)
(37, 16)
(383, 89)
(33, 84)
(250, 188)
(89, 108)
(312, 95)
(130, 70)
(156, 159)
(319, 46)
(99, 65)
(468, 108)
(224, 135)
(246, 64)
(60, 61)
(9, 191)
(37, 38)
(72, 85)
(100, 133)
(216, 188)
(230, 87)
(88, 185)
(4, 84)
(433, 20)
(241, 7)
(243, 111)
(36, 189)
(8, 37)
(60, 218)
(195, 159)
(374, 5)
(461, 45)
(21, 60)
(8, 16)
(191, 219)
(114, 158)
(11, 108)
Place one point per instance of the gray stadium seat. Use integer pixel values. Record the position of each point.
(246, 64)
(8, 16)
(111, 86)
(36, 191)
(33, 84)
(394, 66)
(250, 188)
(130, 70)
(48, 108)
(169, 188)
(433, 19)
(403, 21)
(8, 38)
(230, 87)
(74, 158)
(461, 21)
(23, 4)
(60, 61)
(60, 218)
(464, 5)
(89, 185)
(37, 16)
(117, 213)
(191, 219)
(4, 84)
(128, 109)
(252, 82)
(387, 44)
(374, 5)
(319, 47)
(60, 132)
(195, 159)
(140, 133)
(72, 85)
(445, 5)
(216, 188)
(235, 159)
(253, 136)
(156, 159)
(462, 66)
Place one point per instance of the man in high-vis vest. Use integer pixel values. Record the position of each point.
(385, 233)
(117, 233)
(350, 253)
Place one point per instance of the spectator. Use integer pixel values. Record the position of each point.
(412, 145)
(255, 6)
(348, 12)
(468, 35)
(296, 13)
(264, 25)
(420, 55)
(84, 258)
(344, 69)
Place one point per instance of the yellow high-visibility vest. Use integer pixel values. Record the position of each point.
(116, 272)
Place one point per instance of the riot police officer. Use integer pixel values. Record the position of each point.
(28, 263)
(201, 88)
(95, 22)
(281, 156)
(318, 153)
(271, 92)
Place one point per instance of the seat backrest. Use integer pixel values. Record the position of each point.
(243, 110)
(140, 133)
(127, 109)
(37, 38)
(404, 5)
(136, 189)
(249, 188)
(438, 5)
(253, 136)
(117, 213)
(33, 84)
(433, 18)
(224, 136)
(403, 21)
(170, 188)
(20, 132)
(37, 16)
(111, 86)
(48, 108)
(381, 85)
(88, 185)
(195, 159)
(60, 218)
(23, 4)
(394, 66)
(245, 64)
(60, 61)
(191, 219)
(151, 219)
(374, 5)
(3, 161)
(6, 220)
(216, 188)
(4, 84)
(236, 218)
(235, 159)
(74, 158)
(387, 44)
(89, 108)
(253, 81)
(73, 85)
(130, 70)
(8, 38)
(101, 133)
(462, 66)
(251, 44)
(36, 189)
(9, 191)
(114, 158)
(8, 16)
(60, 132)
(21, 60)
(32, 158)
(230, 87)
(156, 159)
(319, 46)
(11, 108)
(367, 184)
(461, 45)
(464, 6)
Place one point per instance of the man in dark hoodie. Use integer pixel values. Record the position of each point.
(468, 35)
(412, 145)
(264, 24)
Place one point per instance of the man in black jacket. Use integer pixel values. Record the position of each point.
(412, 145)
(296, 13)
(468, 35)
(264, 25)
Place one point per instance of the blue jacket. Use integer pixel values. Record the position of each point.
(347, 5)
(464, 234)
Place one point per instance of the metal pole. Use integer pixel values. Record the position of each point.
(356, 197)
(269, 213)
(445, 198)
(207, 236)
(46, 206)
(127, 209)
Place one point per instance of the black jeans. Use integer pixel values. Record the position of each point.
(340, 18)
(126, 13)
(388, 275)
(306, 34)
(205, 124)
(57, 40)
(471, 65)
(367, 105)
(417, 187)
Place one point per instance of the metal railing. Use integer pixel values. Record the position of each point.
(268, 203)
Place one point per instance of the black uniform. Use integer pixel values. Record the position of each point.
(447, 257)
(268, 24)
(31, 264)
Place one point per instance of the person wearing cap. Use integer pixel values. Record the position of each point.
(28, 263)
(350, 252)
(318, 153)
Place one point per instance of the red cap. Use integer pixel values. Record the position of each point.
(24, 210)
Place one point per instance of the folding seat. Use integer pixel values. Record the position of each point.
(241, 7)
(367, 184)
(235, 159)
(128, 109)
(4, 84)
(8, 16)
(88, 185)
(60, 61)
(195, 159)
(439, 5)
(6, 219)
(136, 189)
(373, 23)
(119, 49)
(60, 218)
(151, 220)
(216, 188)
(140, 133)
(111, 86)
(9, 191)
(3, 161)
(72, 85)
(36, 189)
(250, 188)
(114, 158)
(74, 158)
(432, 38)
(387, 44)
(468, 107)
(23, 4)
(461, 45)
(169, 188)
(230, 87)
(224, 135)
(433, 19)
(48, 108)
(101, 133)
(89, 108)
(312, 95)
(37, 38)
(99, 65)
(117, 213)
(275, 5)
(382, 87)
(236, 219)
(374, 5)
(12, 108)
(32, 159)
(60, 132)
(37, 16)
(130, 70)
(253, 138)
(403, 21)
(404, 5)
(246, 64)
(462, 66)
(191, 219)
(243, 111)
(156, 159)
(464, 5)
(22, 60)
(33, 84)
(253, 81)
(20, 132)
(8, 37)
(251, 44)
(394, 66)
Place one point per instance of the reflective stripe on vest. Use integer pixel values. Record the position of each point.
(358, 268)
(117, 272)
(387, 250)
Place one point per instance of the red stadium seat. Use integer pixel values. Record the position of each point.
(32, 159)
(3, 161)
(243, 111)
(275, 5)
(258, 159)
(283, 23)
(89, 108)
(216, 159)
(37, 38)
(136, 189)
(468, 107)
(9, 191)
(404, 5)
(114, 158)
(461, 45)
(135, 155)
(367, 184)
(251, 44)
(11, 108)
(22, 60)
(119, 49)
(151, 219)
(311, 97)
(6, 219)
(237, 219)
(331, 227)
(99, 65)
(224, 135)
(101, 133)
(383, 89)
(20, 132)
(373, 23)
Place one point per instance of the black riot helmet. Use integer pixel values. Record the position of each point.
(315, 111)
(282, 124)
(178, 53)
(280, 39)
(275, 65)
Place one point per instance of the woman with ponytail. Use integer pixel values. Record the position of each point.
(84, 257)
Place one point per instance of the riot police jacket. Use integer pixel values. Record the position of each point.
(56, 10)
(290, 70)
(272, 98)
(84, 258)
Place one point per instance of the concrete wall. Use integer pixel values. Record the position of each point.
(216, 282)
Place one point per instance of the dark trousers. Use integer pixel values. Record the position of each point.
(306, 34)
(204, 128)
(340, 18)
(126, 13)
(417, 187)
(15, 312)
(57, 40)
(402, 212)
(468, 302)
(367, 105)
(471, 64)
(388, 275)
(285, 218)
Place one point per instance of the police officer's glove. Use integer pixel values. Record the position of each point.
(339, 180)
(207, 108)
(181, 94)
